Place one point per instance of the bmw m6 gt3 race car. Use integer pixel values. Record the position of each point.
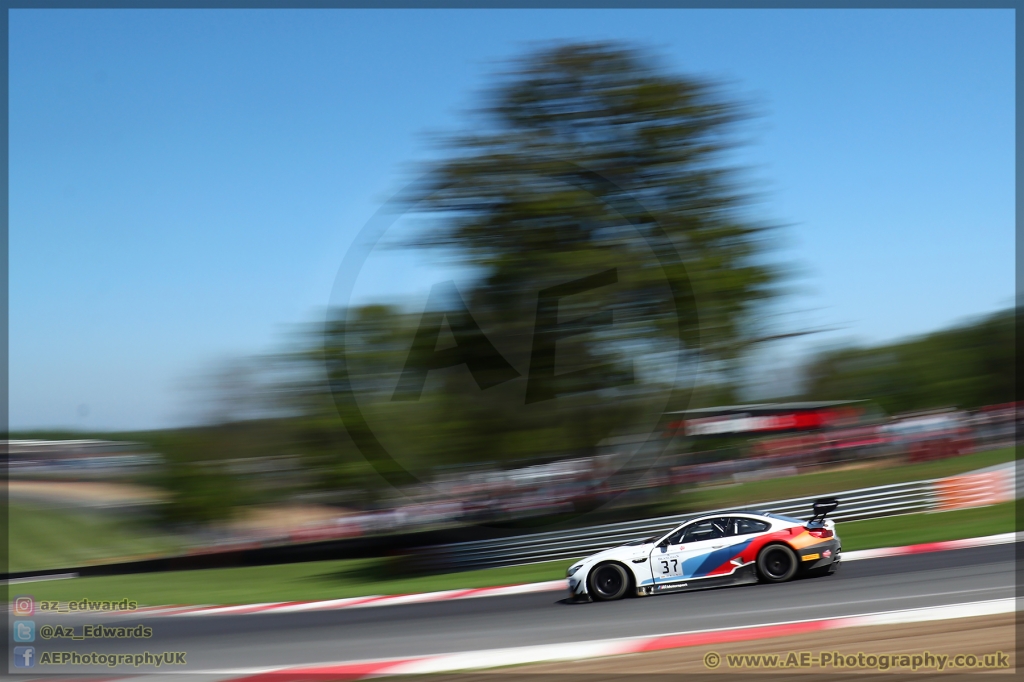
(724, 548)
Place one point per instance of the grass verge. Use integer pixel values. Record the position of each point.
(351, 578)
(41, 538)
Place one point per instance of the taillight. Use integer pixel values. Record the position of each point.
(820, 532)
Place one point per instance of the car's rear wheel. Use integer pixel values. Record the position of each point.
(777, 563)
(608, 582)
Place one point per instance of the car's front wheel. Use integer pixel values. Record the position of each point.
(608, 582)
(777, 563)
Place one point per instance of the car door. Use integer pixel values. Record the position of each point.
(732, 536)
(681, 557)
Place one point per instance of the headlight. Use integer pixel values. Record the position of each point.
(572, 570)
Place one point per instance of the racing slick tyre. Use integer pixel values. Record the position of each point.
(608, 582)
(777, 563)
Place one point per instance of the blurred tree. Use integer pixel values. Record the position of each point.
(586, 157)
(966, 366)
(199, 487)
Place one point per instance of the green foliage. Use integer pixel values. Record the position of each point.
(967, 366)
(198, 468)
(199, 492)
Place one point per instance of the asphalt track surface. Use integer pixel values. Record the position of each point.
(219, 642)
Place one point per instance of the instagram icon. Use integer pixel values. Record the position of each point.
(24, 606)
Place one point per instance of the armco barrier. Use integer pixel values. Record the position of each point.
(955, 492)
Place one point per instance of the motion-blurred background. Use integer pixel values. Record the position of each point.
(299, 279)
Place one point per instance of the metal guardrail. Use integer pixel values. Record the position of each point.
(863, 503)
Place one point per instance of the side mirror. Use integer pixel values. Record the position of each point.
(663, 544)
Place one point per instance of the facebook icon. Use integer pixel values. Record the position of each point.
(24, 656)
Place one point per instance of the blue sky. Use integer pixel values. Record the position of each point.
(184, 184)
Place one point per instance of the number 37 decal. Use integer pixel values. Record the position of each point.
(669, 566)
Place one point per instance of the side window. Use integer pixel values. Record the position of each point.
(723, 527)
(744, 526)
(698, 531)
(708, 529)
(677, 537)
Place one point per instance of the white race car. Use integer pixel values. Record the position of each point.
(724, 548)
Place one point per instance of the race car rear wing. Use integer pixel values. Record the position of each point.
(822, 508)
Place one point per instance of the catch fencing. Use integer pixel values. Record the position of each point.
(955, 492)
